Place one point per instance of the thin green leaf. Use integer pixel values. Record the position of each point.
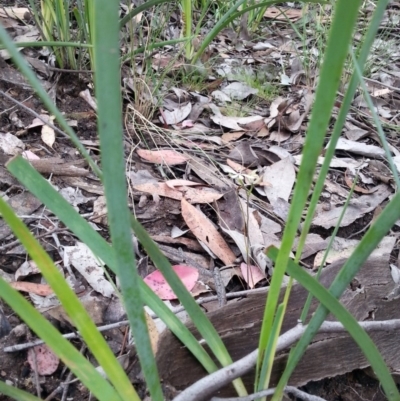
(78, 364)
(41, 188)
(231, 15)
(339, 39)
(369, 242)
(16, 393)
(139, 9)
(70, 303)
(200, 320)
(109, 103)
(53, 43)
(337, 130)
(359, 335)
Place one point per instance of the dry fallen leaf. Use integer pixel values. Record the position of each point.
(205, 231)
(160, 286)
(153, 332)
(193, 195)
(251, 274)
(167, 157)
(42, 360)
(39, 289)
(48, 135)
(279, 180)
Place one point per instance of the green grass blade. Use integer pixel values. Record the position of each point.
(231, 15)
(307, 304)
(16, 393)
(41, 188)
(339, 39)
(198, 317)
(269, 353)
(54, 43)
(71, 304)
(359, 335)
(369, 242)
(377, 121)
(363, 55)
(108, 95)
(78, 364)
(47, 101)
(139, 9)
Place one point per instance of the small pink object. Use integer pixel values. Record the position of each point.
(159, 285)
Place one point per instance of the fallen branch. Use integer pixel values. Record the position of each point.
(206, 386)
(288, 390)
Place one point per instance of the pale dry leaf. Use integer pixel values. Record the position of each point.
(168, 157)
(180, 182)
(177, 115)
(359, 148)
(231, 136)
(283, 13)
(280, 176)
(10, 144)
(30, 34)
(279, 136)
(220, 96)
(251, 274)
(48, 135)
(193, 195)
(83, 259)
(336, 162)
(233, 122)
(205, 231)
(14, 12)
(356, 209)
(39, 122)
(29, 155)
(239, 90)
(27, 268)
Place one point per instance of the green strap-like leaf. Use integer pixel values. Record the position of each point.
(359, 335)
(339, 38)
(369, 242)
(16, 393)
(35, 183)
(198, 317)
(70, 302)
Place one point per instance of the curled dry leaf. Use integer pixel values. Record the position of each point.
(42, 360)
(205, 231)
(349, 179)
(159, 285)
(167, 157)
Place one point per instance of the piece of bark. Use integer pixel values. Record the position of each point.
(59, 167)
(239, 325)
